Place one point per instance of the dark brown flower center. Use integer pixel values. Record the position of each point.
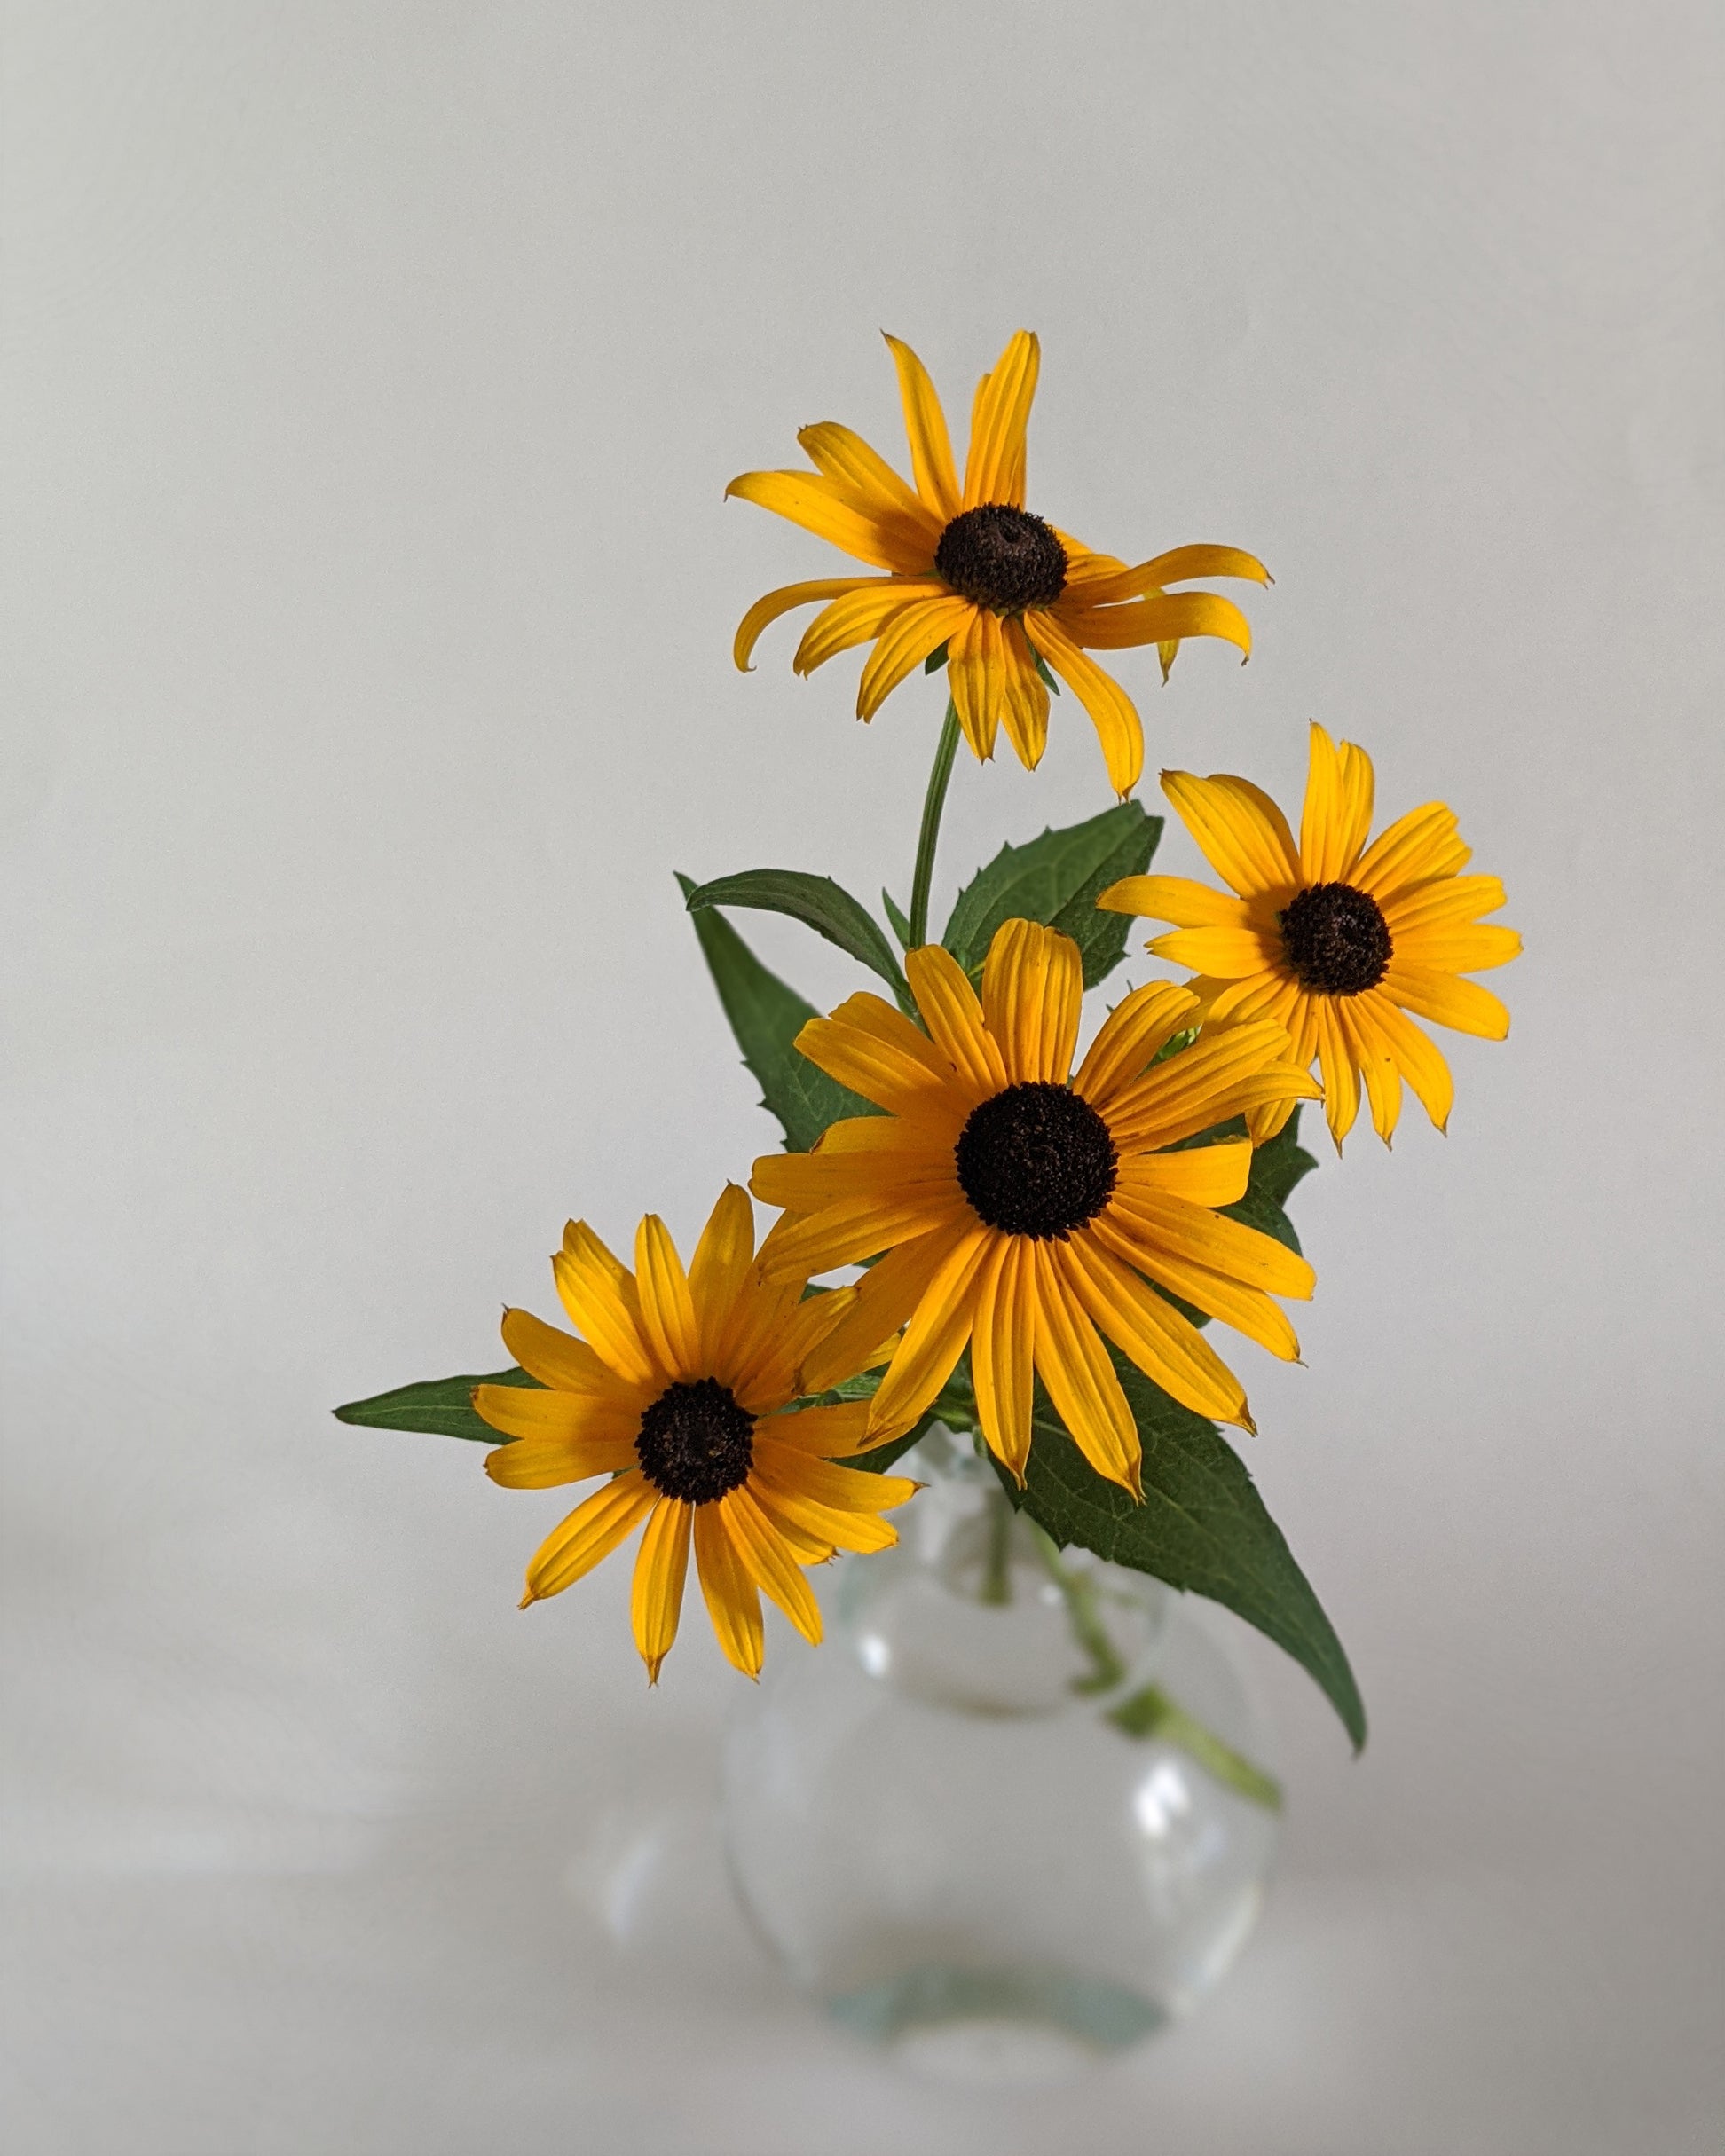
(696, 1442)
(1001, 558)
(1337, 939)
(1036, 1160)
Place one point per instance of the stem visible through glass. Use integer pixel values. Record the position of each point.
(933, 802)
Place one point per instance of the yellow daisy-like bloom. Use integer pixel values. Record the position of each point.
(979, 573)
(1335, 940)
(1022, 1208)
(683, 1392)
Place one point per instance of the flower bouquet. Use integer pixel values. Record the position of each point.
(1041, 1226)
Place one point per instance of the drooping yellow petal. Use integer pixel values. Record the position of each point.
(905, 643)
(554, 1357)
(1132, 1037)
(822, 506)
(728, 1590)
(1240, 831)
(1338, 809)
(1002, 1346)
(656, 1599)
(1168, 619)
(1176, 899)
(1074, 1366)
(934, 1339)
(766, 611)
(775, 1571)
(885, 1296)
(954, 1018)
(721, 1266)
(994, 467)
(1111, 710)
(1033, 988)
(858, 618)
(925, 427)
(1168, 1349)
(976, 670)
(590, 1533)
(1461, 1005)
(1418, 1056)
(667, 1308)
(1106, 586)
(1025, 697)
(600, 1299)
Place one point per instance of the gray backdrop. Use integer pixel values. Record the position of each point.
(373, 375)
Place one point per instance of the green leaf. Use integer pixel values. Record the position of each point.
(767, 1017)
(1042, 668)
(936, 659)
(1202, 1528)
(900, 921)
(442, 1404)
(818, 903)
(1057, 879)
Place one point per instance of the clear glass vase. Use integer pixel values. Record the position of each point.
(1014, 1814)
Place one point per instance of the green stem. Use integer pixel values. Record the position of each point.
(1149, 1712)
(933, 802)
(997, 1570)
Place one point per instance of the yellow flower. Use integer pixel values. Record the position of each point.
(1335, 940)
(1022, 1208)
(683, 1392)
(977, 573)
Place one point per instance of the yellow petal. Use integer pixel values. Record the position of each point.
(876, 1053)
(667, 1308)
(1418, 1056)
(543, 1463)
(1224, 1071)
(1249, 1309)
(1241, 832)
(812, 1533)
(1104, 586)
(853, 1230)
(1341, 1081)
(1168, 1349)
(1458, 951)
(1168, 619)
(1111, 710)
(552, 1356)
(1132, 1037)
(934, 1339)
(1033, 988)
(721, 1266)
(794, 1472)
(954, 1018)
(828, 1433)
(1445, 902)
(993, 467)
(976, 670)
(821, 505)
(766, 611)
(521, 1410)
(728, 1590)
(769, 1563)
(857, 619)
(1375, 1063)
(590, 1533)
(600, 1299)
(1156, 1219)
(874, 487)
(1074, 1366)
(1003, 1345)
(905, 643)
(926, 427)
(1025, 694)
(1423, 844)
(1337, 816)
(886, 1297)
(656, 1599)
(1226, 954)
(1461, 1005)
(1176, 899)
(1202, 1174)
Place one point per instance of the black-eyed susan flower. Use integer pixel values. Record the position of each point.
(977, 572)
(1335, 940)
(1024, 1210)
(683, 1391)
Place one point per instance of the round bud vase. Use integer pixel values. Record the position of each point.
(1013, 1815)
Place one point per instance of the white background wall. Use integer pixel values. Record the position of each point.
(373, 375)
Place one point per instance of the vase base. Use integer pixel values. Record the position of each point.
(977, 2027)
